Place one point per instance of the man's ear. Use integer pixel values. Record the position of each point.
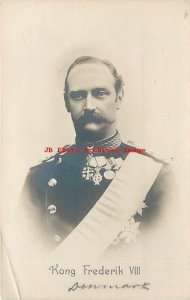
(67, 106)
(119, 98)
(66, 103)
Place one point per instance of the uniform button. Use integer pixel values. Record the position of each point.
(52, 209)
(56, 237)
(52, 182)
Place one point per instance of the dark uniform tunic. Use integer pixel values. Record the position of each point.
(60, 191)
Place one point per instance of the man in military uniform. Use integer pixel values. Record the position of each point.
(78, 188)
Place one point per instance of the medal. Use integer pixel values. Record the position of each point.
(94, 165)
(109, 174)
(86, 173)
(97, 178)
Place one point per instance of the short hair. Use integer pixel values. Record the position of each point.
(88, 59)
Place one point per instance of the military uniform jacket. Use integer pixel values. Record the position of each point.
(59, 192)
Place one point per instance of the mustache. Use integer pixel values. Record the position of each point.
(91, 116)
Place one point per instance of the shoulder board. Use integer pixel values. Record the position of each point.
(64, 152)
(41, 162)
(149, 153)
(55, 157)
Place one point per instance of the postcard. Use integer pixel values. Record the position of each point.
(95, 149)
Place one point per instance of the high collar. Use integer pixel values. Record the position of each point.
(113, 141)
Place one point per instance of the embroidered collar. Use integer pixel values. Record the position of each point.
(113, 141)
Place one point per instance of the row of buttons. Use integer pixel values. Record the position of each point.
(52, 209)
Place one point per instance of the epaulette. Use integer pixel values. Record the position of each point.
(149, 153)
(66, 146)
(42, 161)
(56, 157)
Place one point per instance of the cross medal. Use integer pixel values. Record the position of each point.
(97, 178)
(87, 173)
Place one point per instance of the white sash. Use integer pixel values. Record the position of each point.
(112, 211)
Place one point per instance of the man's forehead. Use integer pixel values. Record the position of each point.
(90, 74)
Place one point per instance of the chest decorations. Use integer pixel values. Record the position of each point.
(98, 168)
(130, 231)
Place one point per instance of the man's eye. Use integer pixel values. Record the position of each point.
(79, 95)
(99, 93)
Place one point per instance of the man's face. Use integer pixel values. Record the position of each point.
(92, 99)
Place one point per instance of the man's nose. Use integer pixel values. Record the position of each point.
(90, 102)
